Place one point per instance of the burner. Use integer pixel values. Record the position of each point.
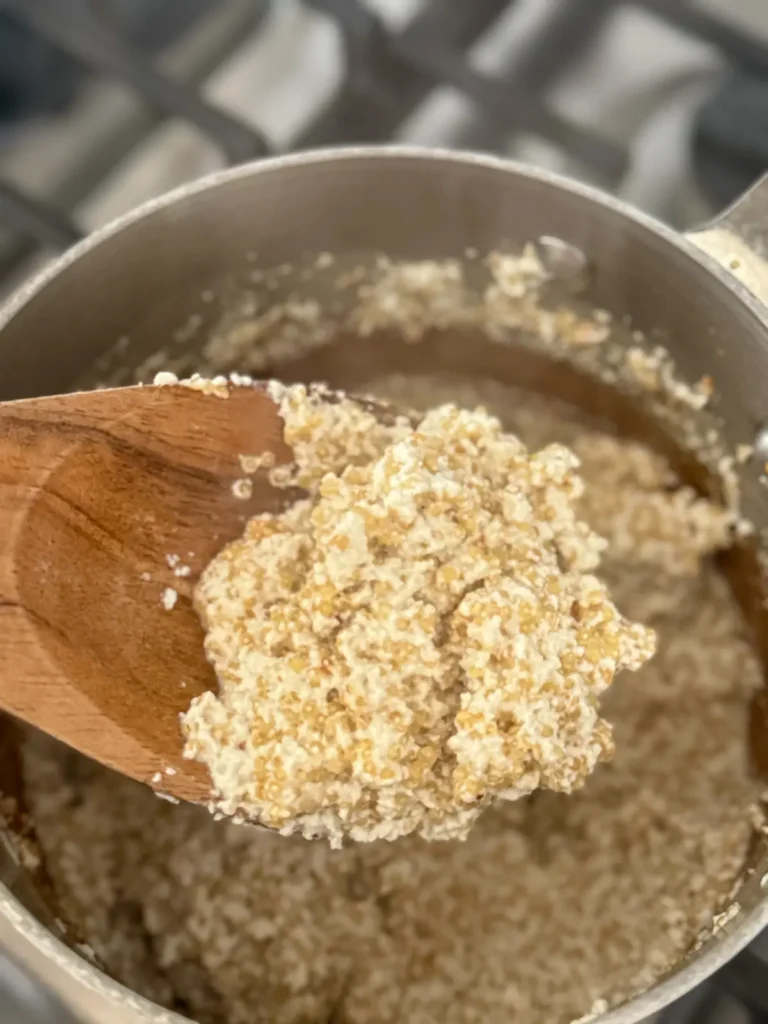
(730, 143)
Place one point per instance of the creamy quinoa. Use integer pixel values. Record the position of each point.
(552, 905)
(556, 906)
(422, 634)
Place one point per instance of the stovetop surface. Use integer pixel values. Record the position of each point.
(657, 100)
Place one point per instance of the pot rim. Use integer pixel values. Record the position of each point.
(742, 929)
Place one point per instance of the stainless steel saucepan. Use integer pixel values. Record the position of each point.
(161, 277)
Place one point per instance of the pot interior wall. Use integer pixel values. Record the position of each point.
(166, 280)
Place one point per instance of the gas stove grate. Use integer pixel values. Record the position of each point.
(387, 74)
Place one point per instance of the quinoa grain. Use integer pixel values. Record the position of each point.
(420, 636)
(554, 907)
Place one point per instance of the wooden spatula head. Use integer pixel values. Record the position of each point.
(106, 500)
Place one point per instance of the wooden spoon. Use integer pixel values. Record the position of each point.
(108, 500)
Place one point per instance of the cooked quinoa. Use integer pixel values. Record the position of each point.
(556, 906)
(552, 904)
(421, 635)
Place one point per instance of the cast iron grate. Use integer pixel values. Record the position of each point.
(387, 73)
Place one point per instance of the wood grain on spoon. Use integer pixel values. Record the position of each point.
(97, 490)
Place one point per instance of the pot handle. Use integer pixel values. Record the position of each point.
(738, 239)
